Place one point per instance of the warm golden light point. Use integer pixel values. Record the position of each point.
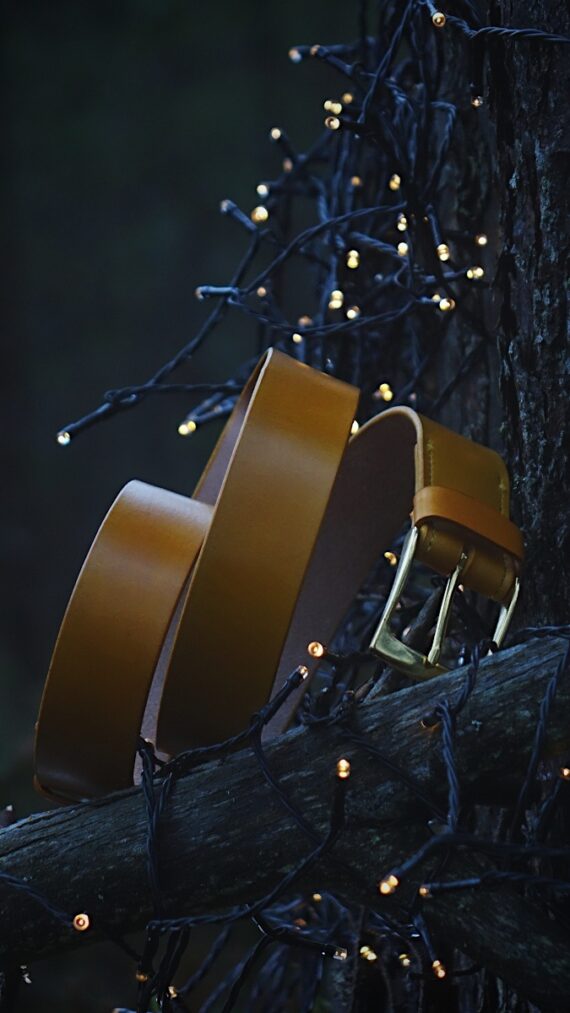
(404, 959)
(141, 976)
(294, 55)
(314, 50)
(355, 427)
(262, 190)
(353, 312)
(475, 271)
(297, 338)
(565, 773)
(275, 133)
(446, 304)
(476, 101)
(388, 885)
(402, 249)
(436, 297)
(438, 969)
(187, 427)
(443, 251)
(317, 897)
(395, 181)
(81, 922)
(262, 291)
(481, 239)
(355, 181)
(402, 223)
(172, 992)
(343, 769)
(438, 19)
(391, 558)
(259, 214)
(423, 891)
(303, 672)
(287, 165)
(63, 438)
(332, 122)
(305, 321)
(347, 98)
(352, 259)
(340, 953)
(316, 649)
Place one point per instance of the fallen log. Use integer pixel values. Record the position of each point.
(227, 839)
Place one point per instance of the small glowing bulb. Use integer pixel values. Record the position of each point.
(275, 133)
(347, 98)
(402, 249)
(389, 884)
(305, 321)
(438, 969)
(316, 649)
(225, 206)
(303, 672)
(262, 190)
(81, 922)
(446, 304)
(287, 165)
(297, 338)
(141, 976)
(423, 891)
(402, 223)
(343, 769)
(327, 105)
(187, 427)
(294, 55)
(476, 101)
(404, 959)
(317, 897)
(481, 239)
(340, 953)
(475, 272)
(336, 299)
(314, 50)
(352, 259)
(63, 438)
(353, 312)
(565, 773)
(355, 181)
(443, 251)
(354, 427)
(262, 291)
(259, 214)
(367, 954)
(332, 122)
(436, 297)
(336, 108)
(172, 992)
(438, 19)
(394, 181)
(391, 557)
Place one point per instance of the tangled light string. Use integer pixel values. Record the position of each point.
(390, 271)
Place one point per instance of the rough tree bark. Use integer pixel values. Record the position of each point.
(92, 857)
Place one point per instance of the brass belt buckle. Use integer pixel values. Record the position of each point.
(406, 659)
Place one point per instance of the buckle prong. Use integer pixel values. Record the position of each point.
(406, 659)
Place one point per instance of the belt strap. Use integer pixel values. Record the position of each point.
(284, 527)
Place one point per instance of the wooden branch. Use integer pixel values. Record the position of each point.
(226, 839)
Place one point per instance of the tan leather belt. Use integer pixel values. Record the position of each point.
(196, 610)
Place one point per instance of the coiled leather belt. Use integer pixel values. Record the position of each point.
(189, 613)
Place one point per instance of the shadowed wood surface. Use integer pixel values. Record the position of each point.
(226, 838)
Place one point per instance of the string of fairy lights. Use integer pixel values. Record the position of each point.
(390, 268)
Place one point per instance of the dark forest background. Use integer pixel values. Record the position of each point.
(126, 124)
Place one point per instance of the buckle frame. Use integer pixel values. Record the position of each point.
(407, 659)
